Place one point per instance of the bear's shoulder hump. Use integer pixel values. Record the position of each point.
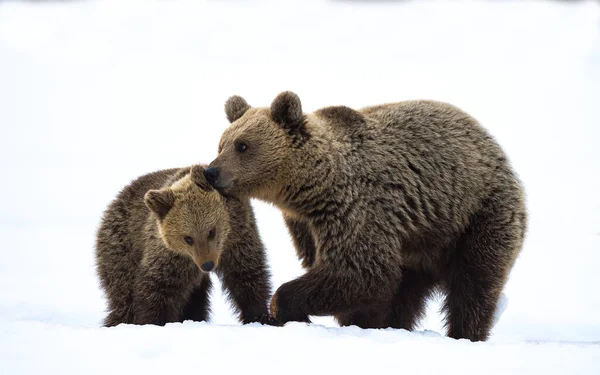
(342, 116)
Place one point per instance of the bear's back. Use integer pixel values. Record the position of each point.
(126, 218)
(426, 121)
(132, 196)
(436, 141)
(432, 140)
(431, 158)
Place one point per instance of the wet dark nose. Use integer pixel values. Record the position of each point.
(207, 266)
(211, 174)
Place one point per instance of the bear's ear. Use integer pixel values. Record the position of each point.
(197, 174)
(160, 201)
(286, 110)
(235, 107)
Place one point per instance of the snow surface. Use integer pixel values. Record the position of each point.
(96, 93)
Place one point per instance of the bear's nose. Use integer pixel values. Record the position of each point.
(211, 174)
(207, 266)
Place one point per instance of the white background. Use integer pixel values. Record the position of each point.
(96, 93)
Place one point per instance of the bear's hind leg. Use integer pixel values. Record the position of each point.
(117, 262)
(116, 317)
(408, 304)
(484, 255)
(198, 305)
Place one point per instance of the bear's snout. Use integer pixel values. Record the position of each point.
(207, 266)
(211, 174)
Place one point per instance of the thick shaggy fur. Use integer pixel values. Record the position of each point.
(147, 281)
(385, 205)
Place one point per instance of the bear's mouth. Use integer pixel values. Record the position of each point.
(225, 191)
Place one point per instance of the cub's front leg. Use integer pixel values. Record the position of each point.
(243, 267)
(198, 303)
(245, 277)
(162, 288)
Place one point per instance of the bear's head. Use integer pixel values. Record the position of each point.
(192, 218)
(255, 152)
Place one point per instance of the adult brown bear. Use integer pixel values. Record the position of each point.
(385, 204)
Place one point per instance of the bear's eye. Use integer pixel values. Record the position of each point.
(212, 233)
(188, 240)
(241, 147)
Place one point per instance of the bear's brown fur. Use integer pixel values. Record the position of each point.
(385, 205)
(159, 234)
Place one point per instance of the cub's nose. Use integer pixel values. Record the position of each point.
(207, 266)
(211, 174)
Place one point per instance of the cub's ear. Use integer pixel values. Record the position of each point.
(235, 107)
(286, 110)
(160, 201)
(197, 173)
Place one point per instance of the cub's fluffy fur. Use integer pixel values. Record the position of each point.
(158, 233)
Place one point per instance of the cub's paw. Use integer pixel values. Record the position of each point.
(268, 320)
(265, 319)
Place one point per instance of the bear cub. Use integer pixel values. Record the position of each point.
(160, 238)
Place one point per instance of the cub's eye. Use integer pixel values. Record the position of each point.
(188, 240)
(211, 234)
(241, 147)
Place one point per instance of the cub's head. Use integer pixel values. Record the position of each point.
(254, 152)
(192, 218)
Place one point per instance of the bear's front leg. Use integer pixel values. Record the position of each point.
(247, 283)
(287, 304)
(304, 242)
(156, 308)
(328, 291)
(162, 288)
(245, 276)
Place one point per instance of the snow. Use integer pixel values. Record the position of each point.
(206, 348)
(96, 93)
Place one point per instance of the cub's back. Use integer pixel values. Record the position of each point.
(122, 228)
